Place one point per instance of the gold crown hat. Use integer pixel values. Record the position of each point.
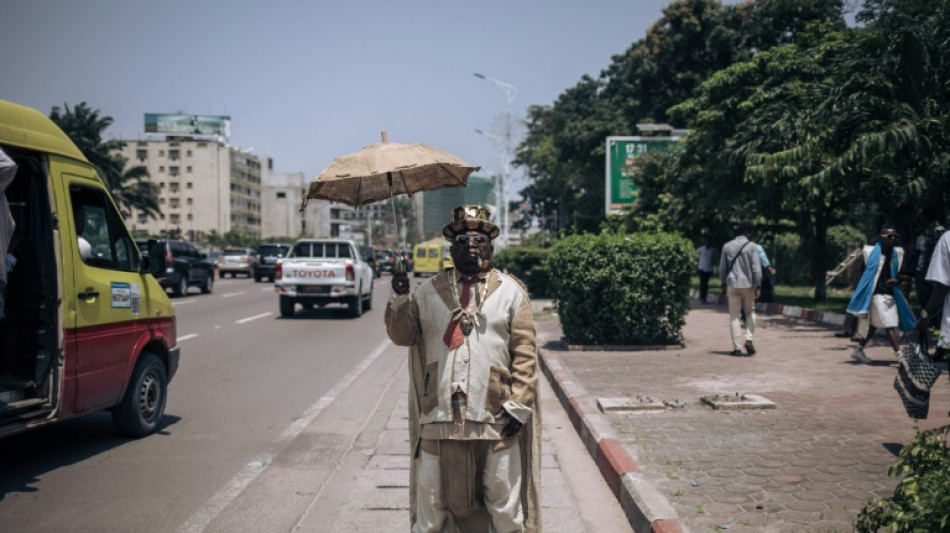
(470, 217)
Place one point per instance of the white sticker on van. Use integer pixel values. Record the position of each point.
(136, 299)
(121, 295)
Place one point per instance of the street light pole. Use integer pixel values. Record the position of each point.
(510, 93)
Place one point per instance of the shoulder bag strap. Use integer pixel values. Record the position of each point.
(734, 259)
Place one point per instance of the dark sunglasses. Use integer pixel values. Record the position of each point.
(891, 237)
(463, 240)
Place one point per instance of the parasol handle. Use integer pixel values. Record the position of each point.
(385, 139)
(389, 177)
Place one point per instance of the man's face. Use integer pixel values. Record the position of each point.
(469, 249)
(889, 238)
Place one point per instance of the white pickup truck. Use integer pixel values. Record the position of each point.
(324, 271)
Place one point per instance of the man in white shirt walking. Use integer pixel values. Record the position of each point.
(740, 272)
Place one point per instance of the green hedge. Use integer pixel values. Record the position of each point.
(527, 263)
(622, 289)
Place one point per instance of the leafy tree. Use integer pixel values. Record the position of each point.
(129, 185)
(563, 151)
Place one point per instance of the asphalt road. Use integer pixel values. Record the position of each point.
(261, 416)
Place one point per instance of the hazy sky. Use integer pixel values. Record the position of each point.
(306, 81)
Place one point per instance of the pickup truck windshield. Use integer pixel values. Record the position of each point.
(322, 249)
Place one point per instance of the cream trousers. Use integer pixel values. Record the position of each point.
(741, 300)
(501, 481)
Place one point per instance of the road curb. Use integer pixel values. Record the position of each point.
(647, 509)
(790, 311)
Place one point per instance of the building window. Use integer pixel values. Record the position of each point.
(188, 153)
(202, 144)
(174, 154)
(282, 195)
(188, 185)
(173, 186)
(161, 216)
(141, 154)
(161, 169)
(189, 216)
(161, 152)
(190, 201)
(161, 185)
(174, 218)
(143, 218)
(173, 202)
(173, 171)
(188, 169)
(141, 143)
(161, 200)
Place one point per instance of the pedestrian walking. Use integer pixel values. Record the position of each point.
(704, 254)
(740, 272)
(878, 301)
(768, 276)
(937, 309)
(926, 244)
(473, 396)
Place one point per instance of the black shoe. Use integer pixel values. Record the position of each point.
(749, 348)
(735, 353)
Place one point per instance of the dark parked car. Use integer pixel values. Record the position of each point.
(186, 267)
(406, 260)
(369, 255)
(267, 256)
(386, 259)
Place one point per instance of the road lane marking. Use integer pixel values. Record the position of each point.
(230, 294)
(265, 289)
(186, 337)
(183, 302)
(255, 317)
(230, 492)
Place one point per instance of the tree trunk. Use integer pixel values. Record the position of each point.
(819, 258)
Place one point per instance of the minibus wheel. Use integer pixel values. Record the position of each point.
(143, 405)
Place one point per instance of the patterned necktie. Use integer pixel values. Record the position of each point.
(454, 337)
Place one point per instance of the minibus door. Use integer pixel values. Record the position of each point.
(108, 295)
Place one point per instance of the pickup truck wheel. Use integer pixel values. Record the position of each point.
(356, 306)
(208, 285)
(143, 405)
(257, 278)
(286, 306)
(182, 288)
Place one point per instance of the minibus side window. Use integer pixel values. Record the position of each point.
(103, 241)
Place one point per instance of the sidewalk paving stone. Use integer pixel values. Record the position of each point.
(806, 465)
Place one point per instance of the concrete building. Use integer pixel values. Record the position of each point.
(281, 197)
(204, 185)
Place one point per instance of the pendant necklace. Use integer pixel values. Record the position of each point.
(468, 318)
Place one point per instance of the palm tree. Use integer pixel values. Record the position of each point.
(129, 185)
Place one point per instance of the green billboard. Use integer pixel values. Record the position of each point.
(622, 153)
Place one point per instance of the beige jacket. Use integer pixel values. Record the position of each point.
(497, 366)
